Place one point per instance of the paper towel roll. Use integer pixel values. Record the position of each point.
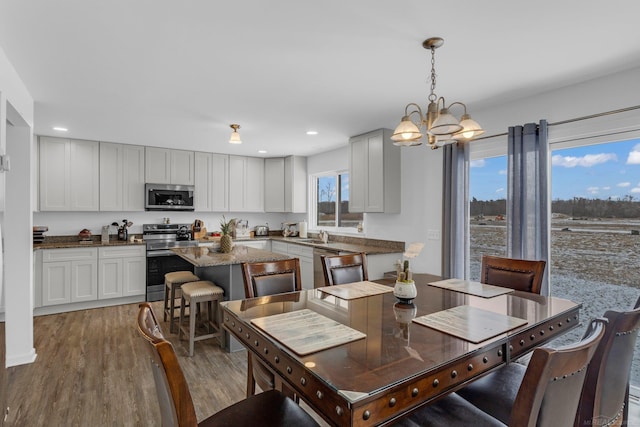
(302, 229)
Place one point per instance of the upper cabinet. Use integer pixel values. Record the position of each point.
(211, 182)
(295, 184)
(274, 185)
(166, 166)
(69, 177)
(121, 177)
(246, 184)
(285, 184)
(375, 173)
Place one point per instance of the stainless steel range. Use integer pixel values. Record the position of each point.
(160, 239)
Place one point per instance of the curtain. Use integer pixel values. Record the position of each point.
(455, 211)
(528, 224)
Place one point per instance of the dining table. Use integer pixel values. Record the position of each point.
(359, 356)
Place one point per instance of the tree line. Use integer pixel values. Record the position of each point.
(627, 207)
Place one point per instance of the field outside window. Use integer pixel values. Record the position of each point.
(331, 203)
(595, 227)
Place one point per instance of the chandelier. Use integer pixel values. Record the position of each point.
(441, 126)
(235, 136)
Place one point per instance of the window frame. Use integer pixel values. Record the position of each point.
(313, 209)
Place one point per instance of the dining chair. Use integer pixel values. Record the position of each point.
(605, 396)
(272, 408)
(340, 269)
(518, 274)
(543, 394)
(264, 279)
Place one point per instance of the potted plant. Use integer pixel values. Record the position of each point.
(405, 288)
(226, 227)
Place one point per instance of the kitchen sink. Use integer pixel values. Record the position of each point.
(313, 241)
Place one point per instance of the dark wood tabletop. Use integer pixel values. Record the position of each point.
(399, 365)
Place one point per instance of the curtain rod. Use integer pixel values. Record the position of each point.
(577, 119)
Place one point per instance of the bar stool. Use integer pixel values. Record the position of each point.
(172, 283)
(194, 293)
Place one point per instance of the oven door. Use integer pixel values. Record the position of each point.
(159, 263)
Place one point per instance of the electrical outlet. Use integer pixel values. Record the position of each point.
(433, 234)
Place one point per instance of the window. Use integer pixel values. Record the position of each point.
(331, 203)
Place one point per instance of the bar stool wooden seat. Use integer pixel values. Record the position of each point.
(194, 293)
(172, 284)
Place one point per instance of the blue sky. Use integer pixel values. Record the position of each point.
(594, 171)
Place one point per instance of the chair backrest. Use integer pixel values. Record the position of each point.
(605, 396)
(176, 405)
(550, 389)
(518, 274)
(341, 269)
(272, 277)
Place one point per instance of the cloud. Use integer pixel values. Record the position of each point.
(623, 184)
(502, 172)
(480, 163)
(634, 156)
(607, 188)
(635, 190)
(500, 190)
(586, 161)
(593, 190)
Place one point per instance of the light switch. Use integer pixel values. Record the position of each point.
(433, 234)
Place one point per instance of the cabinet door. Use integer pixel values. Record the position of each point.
(132, 178)
(56, 283)
(54, 174)
(237, 167)
(109, 278)
(306, 271)
(274, 185)
(254, 188)
(84, 283)
(279, 247)
(84, 175)
(134, 272)
(358, 174)
(157, 165)
(203, 182)
(182, 167)
(374, 198)
(295, 184)
(220, 182)
(111, 176)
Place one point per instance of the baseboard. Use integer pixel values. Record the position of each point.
(22, 359)
(64, 308)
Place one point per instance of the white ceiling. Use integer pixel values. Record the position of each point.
(176, 73)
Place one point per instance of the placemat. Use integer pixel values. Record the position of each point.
(305, 331)
(472, 288)
(356, 290)
(470, 323)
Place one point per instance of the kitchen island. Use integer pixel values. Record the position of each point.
(225, 271)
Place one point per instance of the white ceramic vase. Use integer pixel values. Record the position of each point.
(405, 291)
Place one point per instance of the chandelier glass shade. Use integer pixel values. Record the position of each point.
(235, 136)
(439, 124)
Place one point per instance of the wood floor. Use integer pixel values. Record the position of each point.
(92, 370)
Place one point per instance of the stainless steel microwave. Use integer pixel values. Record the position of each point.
(168, 197)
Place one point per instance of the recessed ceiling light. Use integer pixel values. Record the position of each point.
(262, 151)
(312, 132)
(61, 129)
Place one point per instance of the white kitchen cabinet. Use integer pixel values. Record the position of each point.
(121, 271)
(69, 275)
(246, 184)
(274, 185)
(211, 182)
(167, 166)
(121, 177)
(69, 174)
(265, 245)
(375, 173)
(295, 184)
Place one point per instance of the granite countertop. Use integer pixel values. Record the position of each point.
(347, 245)
(204, 257)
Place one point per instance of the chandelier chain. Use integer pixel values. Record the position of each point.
(432, 95)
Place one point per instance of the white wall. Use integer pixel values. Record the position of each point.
(16, 105)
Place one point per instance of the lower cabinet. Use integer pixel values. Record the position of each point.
(121, 271)
(69, 275)
(304, 253)
(88, 274)
(265, 245)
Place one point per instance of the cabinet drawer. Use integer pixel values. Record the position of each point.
(70, 254)
(279, 247)
(300, 250)
(122, 251)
